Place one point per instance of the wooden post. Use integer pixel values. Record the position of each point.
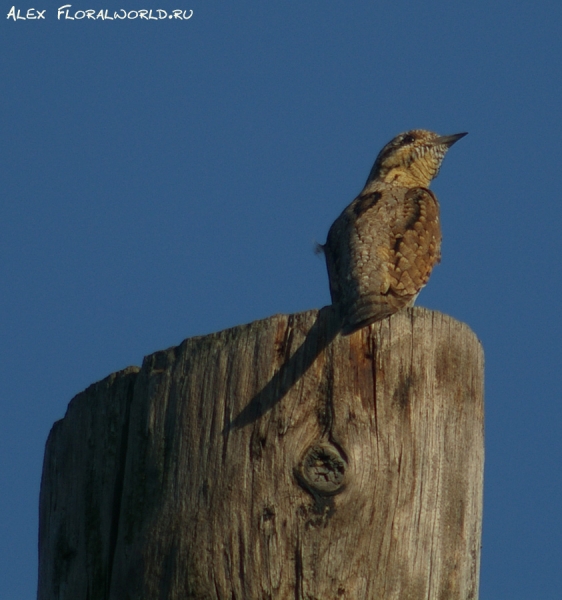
(276, 460)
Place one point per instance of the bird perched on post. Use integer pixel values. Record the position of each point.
(381, 250)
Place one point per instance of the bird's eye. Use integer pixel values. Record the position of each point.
(408, 139)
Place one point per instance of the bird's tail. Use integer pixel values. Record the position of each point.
(363, 312)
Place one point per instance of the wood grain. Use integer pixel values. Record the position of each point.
(275, 460)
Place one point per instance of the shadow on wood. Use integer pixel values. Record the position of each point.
(274, 460)
(324, 330)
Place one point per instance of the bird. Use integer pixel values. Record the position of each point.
(382, 248)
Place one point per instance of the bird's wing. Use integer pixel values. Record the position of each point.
(340, 250)
(415, 244)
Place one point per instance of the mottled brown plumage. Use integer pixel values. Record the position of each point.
(381, 250)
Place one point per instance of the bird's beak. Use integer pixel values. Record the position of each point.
(449, 140)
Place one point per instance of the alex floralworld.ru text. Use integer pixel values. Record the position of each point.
(66, 14)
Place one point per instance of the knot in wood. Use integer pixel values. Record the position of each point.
(323, 469)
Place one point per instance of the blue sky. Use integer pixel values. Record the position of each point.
(164, 179)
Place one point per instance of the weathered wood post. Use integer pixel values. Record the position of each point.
(275, 460)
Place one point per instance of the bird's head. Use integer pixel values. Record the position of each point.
(412, 159)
